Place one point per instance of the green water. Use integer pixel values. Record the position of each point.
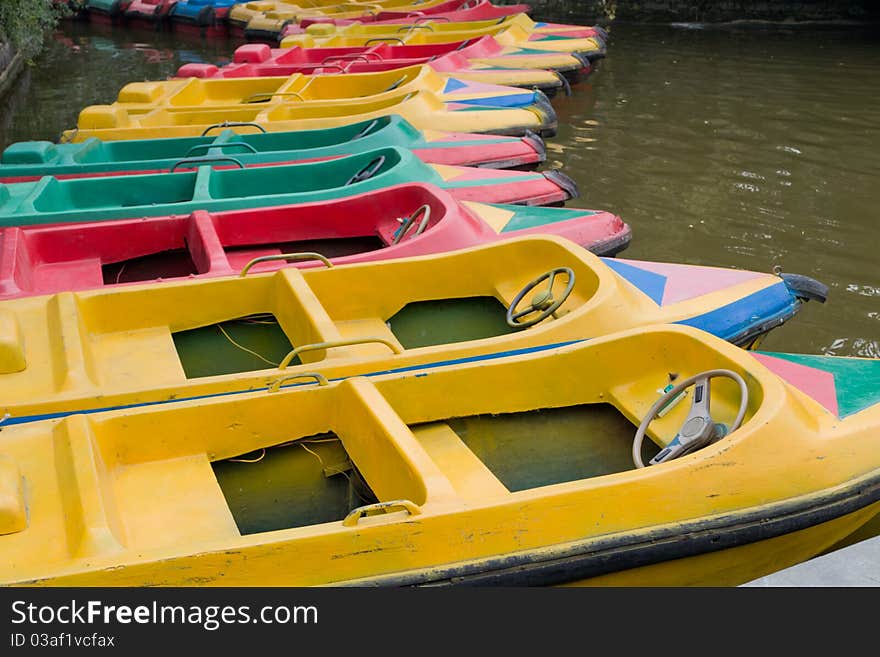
(550, 446)
(238, 345)
(446, 321)
(747, 147)
(303, 483)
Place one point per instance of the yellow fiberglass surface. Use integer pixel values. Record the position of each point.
(512, 471)
(185, 338)
(241, 14)
(346, 88)
(423, 109)
(518, 30)
(273, 21)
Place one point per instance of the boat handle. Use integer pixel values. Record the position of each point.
(395, 85)
(268, 95)
(330, 65)
(285, 256)
(366, 130)
(234, 124)
(464, 44)
(320, 379)
(351, 520)
(352, 57)
(199, 161)
(384, 40)
(335, 343)
(200, 147)
(415, 26)
(432, 18)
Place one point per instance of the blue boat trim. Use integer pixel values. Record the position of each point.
(25, 419)
(762, 308)
(515, 100)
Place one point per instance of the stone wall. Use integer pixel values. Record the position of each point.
(709, 10)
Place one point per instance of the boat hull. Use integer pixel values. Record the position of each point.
(83, 256)
(788, 483)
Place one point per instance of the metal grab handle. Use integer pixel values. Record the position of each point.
(464, 44)
(384, 40)
(234, 124)
(320, 379)
(269, 95)
(353, 58)
(335, 343)
(394, 85)
(432, 18)
(414, 26)
(285, 256)
(330, 65)
(351, 520)
(199, 161)
(206, 147)
(367, 130)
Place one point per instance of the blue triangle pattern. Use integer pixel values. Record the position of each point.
(647, 281)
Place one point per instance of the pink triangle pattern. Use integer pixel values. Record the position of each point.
(814, 383)
(689, 281)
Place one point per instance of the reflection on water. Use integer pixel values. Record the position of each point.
(743, 147)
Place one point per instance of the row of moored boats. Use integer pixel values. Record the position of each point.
(320, 316)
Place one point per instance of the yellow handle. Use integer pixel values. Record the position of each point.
(335, 343)
(320, 379)
(285, 256)
(352, 518)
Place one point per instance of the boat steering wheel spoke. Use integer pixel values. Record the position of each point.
(401, 232)
(698, 429)
(543, 302)
(367, 171)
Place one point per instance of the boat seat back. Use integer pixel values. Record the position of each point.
(30, 152)
(13, 514)
(142, 92)
(96, 117)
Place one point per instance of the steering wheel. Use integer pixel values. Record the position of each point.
(367, 172)
(543, 302)
(401, 232)
(698, 428)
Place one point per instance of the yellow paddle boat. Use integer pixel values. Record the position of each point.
(556, 472)
(243, 13)
(421, 109)
(518, 30)
(346, 90)
(72, 351)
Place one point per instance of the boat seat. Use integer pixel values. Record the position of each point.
(13, 516)
(12, 358)
(239, 258)
(368, 328)
(84, 490)
(469, 476)
(54, 275)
